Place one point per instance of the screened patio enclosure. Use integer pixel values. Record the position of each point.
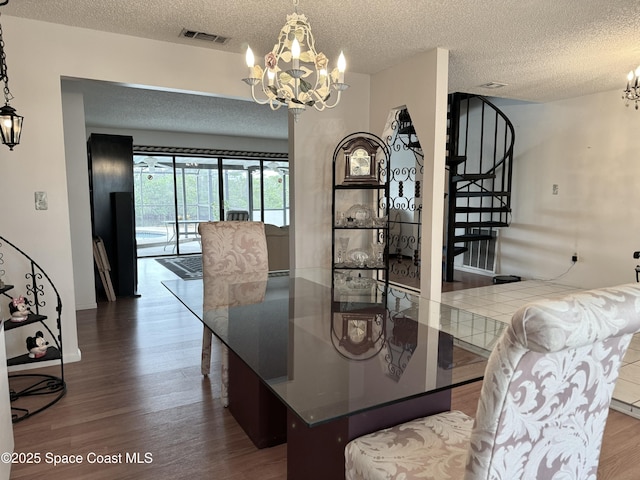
(172, 194)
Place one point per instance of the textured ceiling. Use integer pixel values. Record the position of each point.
(542, 49)
(115, 106)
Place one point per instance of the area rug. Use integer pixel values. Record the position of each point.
(188, 267)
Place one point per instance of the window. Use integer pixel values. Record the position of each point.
(173, 193)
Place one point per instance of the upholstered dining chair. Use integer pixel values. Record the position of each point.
(543, 404)
(230, 249)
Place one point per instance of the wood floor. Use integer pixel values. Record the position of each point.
(138, 390)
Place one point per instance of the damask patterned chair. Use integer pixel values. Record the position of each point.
(543, 405)
(230, 249)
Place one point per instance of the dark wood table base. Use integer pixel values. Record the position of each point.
(313, 453)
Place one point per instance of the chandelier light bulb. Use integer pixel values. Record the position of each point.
(250, 58)
(630, 76)
(638, 72)
(342, 66)
(295, 53)
(342, 63)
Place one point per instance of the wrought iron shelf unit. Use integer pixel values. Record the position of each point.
(361, 163)
(31, 393)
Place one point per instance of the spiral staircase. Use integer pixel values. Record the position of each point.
(479, 162)
(480, 140)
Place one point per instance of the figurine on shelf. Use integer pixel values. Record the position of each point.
(19, 309)
(37, 346)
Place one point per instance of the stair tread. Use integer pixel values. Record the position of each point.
(471, 238)
(455, 159)
(408, 130)
(482, 193)
(489, 224)
(482, 209)
(461, 177)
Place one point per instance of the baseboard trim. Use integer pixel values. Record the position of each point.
(625, 408)
(91, 306)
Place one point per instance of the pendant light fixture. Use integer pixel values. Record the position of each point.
(10, 121)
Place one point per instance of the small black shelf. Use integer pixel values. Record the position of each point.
(32, 318)
(45, 303)
(52, 354)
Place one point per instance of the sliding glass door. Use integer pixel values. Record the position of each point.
(175, 193)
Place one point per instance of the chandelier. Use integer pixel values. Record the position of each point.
(632, 92)
(294, 73)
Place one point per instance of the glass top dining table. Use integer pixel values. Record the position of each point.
(333, 349)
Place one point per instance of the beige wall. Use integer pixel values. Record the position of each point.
(314, 140)
(420, 84)
(588, 146)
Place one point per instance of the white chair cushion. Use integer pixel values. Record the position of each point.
(433, 447)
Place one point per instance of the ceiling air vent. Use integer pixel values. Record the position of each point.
(493, 85)
(209, 37)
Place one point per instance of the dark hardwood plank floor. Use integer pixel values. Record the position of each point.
(138, 390)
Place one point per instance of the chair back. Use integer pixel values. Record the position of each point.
(548, 385)
(233, 247)
(237, 215)
(234, 265)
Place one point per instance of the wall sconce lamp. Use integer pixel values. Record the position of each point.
(10, 121)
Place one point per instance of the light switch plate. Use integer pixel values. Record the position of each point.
(41, 200)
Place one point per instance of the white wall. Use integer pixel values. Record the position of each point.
(75, 145)
(589, 147)
(6, 427)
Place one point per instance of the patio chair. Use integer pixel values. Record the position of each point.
(237, 215)
(230, 250)
(543, 405)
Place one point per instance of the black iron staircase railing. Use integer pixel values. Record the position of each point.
(479, 162)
